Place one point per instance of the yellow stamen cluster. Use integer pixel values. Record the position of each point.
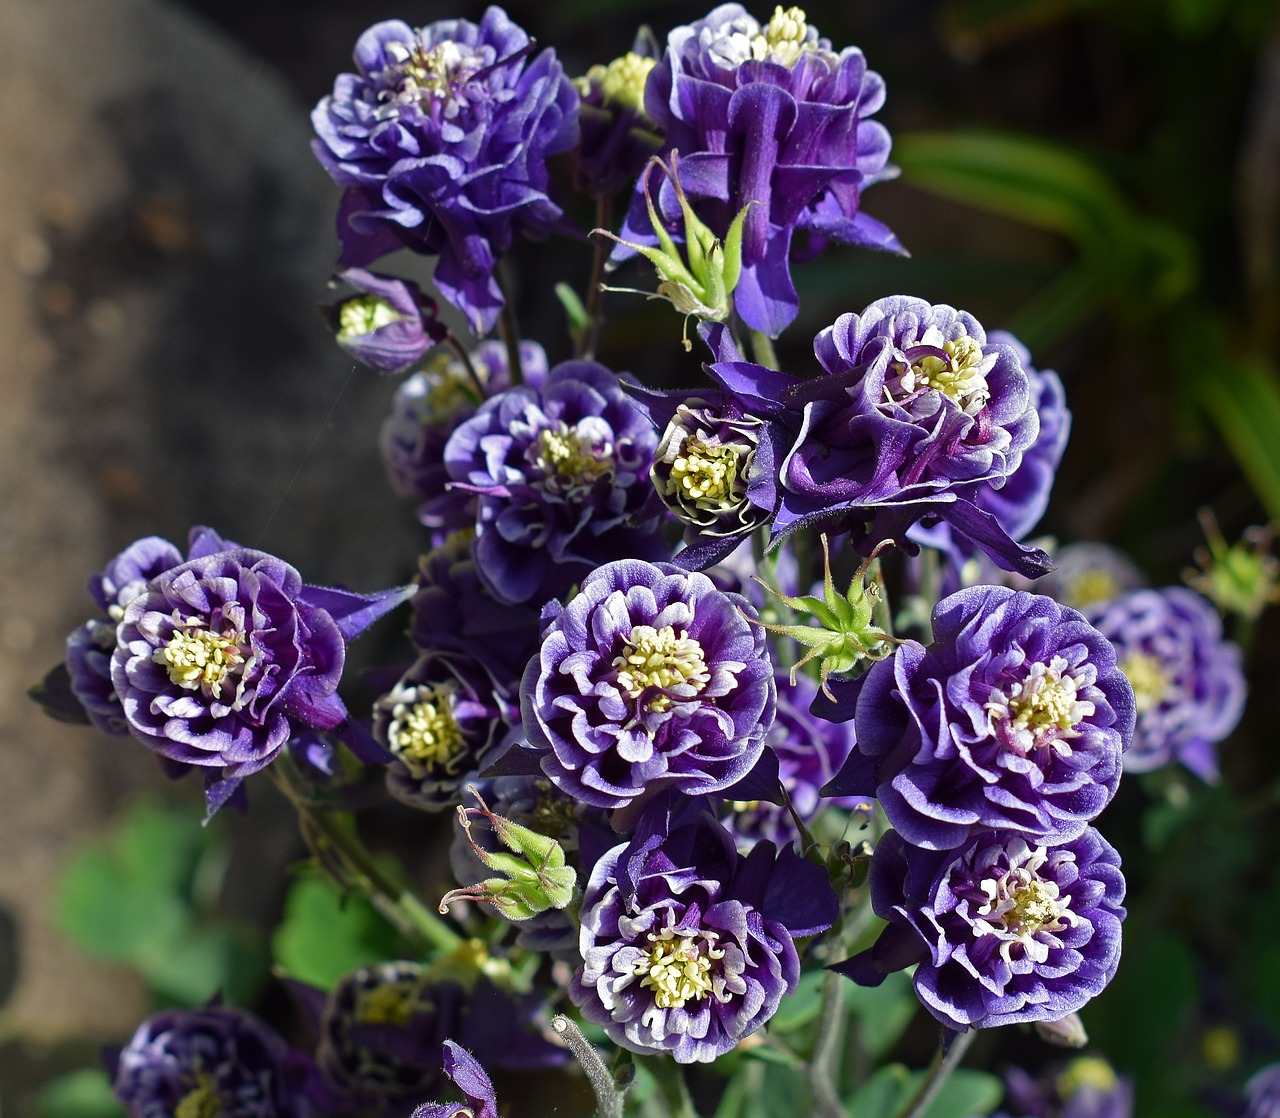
(706, 474)
(571, 458)
(1040, 710)
(679, 968)
(658, 658)
(1090, 586)
(959, 376)
(431, 73)
(198, 659)
(1020, 905)
(364, 314)
(423, 732)
(390, 1003)
(784, 37)
(202, 1102)
(621, 82)
(1149, 679)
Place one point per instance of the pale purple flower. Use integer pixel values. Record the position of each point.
(1013, 719)
(440, 142)
(1187, 679)
(770, 116)
(687, 946)
(649, 678)
(1000, 930)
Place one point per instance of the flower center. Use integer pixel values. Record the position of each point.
(622, 82)
(203, 1102)
(390, 1003)
(1020, 905)
(784, 38)
(706, 473)
(958, 372)
(678, 966)
(198, 659)
(423, 732)
(658, 658)
(425, 75)
(1148, 678)
(1093, 585)
(363, 315)
(1040, 711)
(573, 458)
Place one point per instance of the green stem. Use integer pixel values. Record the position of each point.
(509, 331)
(595, 290)
(762, 349)
(608, 1097)
(944, 1063)
(824, 1067)
(455, 344)
(342, 854)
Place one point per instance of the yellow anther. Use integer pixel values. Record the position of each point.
(658, 658)
(679, 968)
(423, 732)
(364, 314)
(197, 659)
(1148, 678)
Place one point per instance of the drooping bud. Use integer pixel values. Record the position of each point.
(1068, 1032)
(844, 634)
(534, 877)
(699, 283)
(390, 326)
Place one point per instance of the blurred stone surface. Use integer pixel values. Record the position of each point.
(164, 237)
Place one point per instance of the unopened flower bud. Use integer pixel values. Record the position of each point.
(1068, 1032)
(390, 326)
(1240, 578)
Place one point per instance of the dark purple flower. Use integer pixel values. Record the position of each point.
(772, 117)
(687, 946)
(1187, 679)
(561, 479)
(617, 136)
(1014, 719)
(466, 1073)
(427, 408)
(440, 721)
(441, 142)
(809, 751)
(222, 659)
(89, 648)
(1020, 502)
(390, 326)
(216, 1060)
(649, 678)
(916, 414)
(383, 1032)
(1002, 930)
(1087, 1087)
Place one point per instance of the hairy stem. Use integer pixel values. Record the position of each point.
(824, 1067)
(608, 1097)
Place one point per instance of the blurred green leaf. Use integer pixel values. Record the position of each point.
(884, 1011)
(880, 1095)
(801, 1007)
(81, 1094)
(966, 1094)
(324, 936)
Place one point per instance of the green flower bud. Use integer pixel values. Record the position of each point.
(1238, 578)
(534, 877)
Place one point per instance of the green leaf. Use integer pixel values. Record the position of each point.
(801, 1007)
(880, 1096)
(324, 936)
(884, 1011)
(965, 1094)
(80, 1094)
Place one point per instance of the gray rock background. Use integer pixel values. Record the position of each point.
(164, 237)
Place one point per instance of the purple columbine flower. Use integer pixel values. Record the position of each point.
(687, 946)
(1187, 680)
(1087, 1087)
(441, 142)
(810, 751)
(649, 678)
(772, 117)
(220, 660)
(1014, 719)
(1090, 574)
(467, 1074)
(216, 1060)
(560, 474)
(1002, 930)
(389, 326)
(441, 720)
(1020, 502)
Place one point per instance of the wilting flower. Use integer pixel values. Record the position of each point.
(1187, 680)
(1020, 502)
(441, 142)
(220, 660)
(1002, 930)
(1013, 719)
(426, 410)
(440, 721)
(809, 751)
(648, 678)
(390, 326)
(770, 117)
(917, 413)
(467, 1074)
(383, 1031)
(216, 1060)
(560, 474)
(687, 946)
(617, 136)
